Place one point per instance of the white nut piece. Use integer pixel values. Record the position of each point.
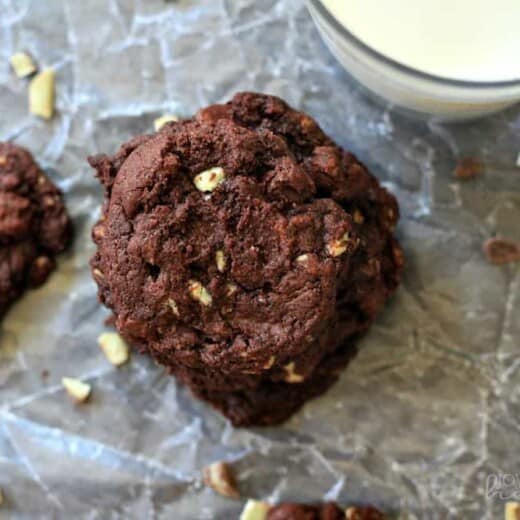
(23, 64)
(208, 180)
(231, 289)
(512, 511)
(114, 347)
(292, 376)
(255, 510)
(221, 260)
(302, 258)
(269, 363)
(174, 307)
(161, 121)
(41, 94)
(76, 388)
(339, 246)
(199, 293)
(219, 476)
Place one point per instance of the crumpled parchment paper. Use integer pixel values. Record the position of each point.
(429, 408)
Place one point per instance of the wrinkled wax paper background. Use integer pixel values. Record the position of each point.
(428, 409)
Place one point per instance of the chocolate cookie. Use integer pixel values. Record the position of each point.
(34, 225)
(242, 249)
(327, 511)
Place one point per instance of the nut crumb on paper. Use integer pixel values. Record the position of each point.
(77, 389)
(468, 168)
(219, 476)
(512, 511)
(501, 251)
(114, 347)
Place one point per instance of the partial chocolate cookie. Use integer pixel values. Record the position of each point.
(291, 511)
(325, 511)
(242, 247)
(34, 225)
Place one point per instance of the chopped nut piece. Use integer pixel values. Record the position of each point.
(174, 307)
(41, 94)
(98, 232)
(114, 347)
(292, 376)
(467, 168)
(161, 121)
(208, 180)
(270, 363)
(219, 476)
(199, 293)
(255, 510)
(302, 259)
(512, 511)
(3, 160)
(358, 217)
(23, 64)
(339, 246)
(501, 251)
(98, 274)
(231, 289)
(220, 260)
(518, 160)
(76, 388)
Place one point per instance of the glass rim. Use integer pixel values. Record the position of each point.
(329, 18)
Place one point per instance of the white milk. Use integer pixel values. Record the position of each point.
(474, 40)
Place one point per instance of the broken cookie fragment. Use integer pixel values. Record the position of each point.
(219, 476)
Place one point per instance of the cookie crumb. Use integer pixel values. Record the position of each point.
(45, 374)
(512, 511)
(500, 251)
(468, 168)
(219, 476)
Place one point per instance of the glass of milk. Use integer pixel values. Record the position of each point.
(453, 59)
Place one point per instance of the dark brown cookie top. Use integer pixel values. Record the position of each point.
(34, 225)
(326, 511)
(242, 240)
(292, 511)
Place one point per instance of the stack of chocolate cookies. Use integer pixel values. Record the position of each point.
(246, 251)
